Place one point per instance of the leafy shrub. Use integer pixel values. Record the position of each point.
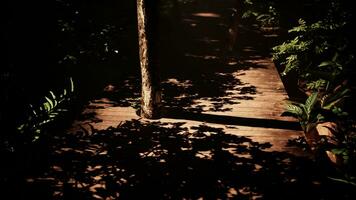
(319, 52)
(47, 112)
(263, 12)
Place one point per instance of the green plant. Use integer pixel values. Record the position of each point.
(318, 53)
(334, 98)
(48, 111)
(305, 113)
(264, 12)
(319, 107)
(343, 145)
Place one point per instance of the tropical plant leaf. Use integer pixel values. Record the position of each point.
(310, 102)
(343, 181)
(293, 110)
(331, 100)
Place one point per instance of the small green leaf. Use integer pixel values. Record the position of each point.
(47, 106)
(50, 103)
(71, 84)
(52, 94)
(326, 63)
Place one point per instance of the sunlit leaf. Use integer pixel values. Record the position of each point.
(71, 84)
(50, 102)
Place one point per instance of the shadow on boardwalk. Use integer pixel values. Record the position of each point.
(190, 51)
(140, 160)
(232, 120)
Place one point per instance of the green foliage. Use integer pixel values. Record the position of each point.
(344, 147)
(334, 99)
(52, 107)
(318, 52)
(314, 85)
(309, 49)
(305, 113)
(292, 54)
(263, 12)
(319, 108)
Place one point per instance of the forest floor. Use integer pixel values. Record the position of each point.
(221, 135)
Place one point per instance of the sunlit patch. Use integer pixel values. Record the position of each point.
(30, 180)
(248, 49)
(91, 168)
(57, 168)
(316, 182)
(232, 63)
(184, 84)
(232, 192)
(204, 155)
(96, 187)
(110, 88)
(257, 168)
(258, 62)
(207, 14)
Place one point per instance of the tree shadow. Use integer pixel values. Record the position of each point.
(195, 63)
(190, 50)
(192, 64)
(231, 120)
(139, 160)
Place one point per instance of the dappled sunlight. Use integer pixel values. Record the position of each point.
(206, 14)
(203, 69)
(184, 84)
(201, 78)
(167, 160)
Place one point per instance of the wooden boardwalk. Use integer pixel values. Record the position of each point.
(221, 135)
(252, 95)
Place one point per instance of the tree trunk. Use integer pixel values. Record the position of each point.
(235, 21)
(151, 93)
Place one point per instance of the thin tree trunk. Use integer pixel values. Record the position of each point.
(235, 21)
(151, 93)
